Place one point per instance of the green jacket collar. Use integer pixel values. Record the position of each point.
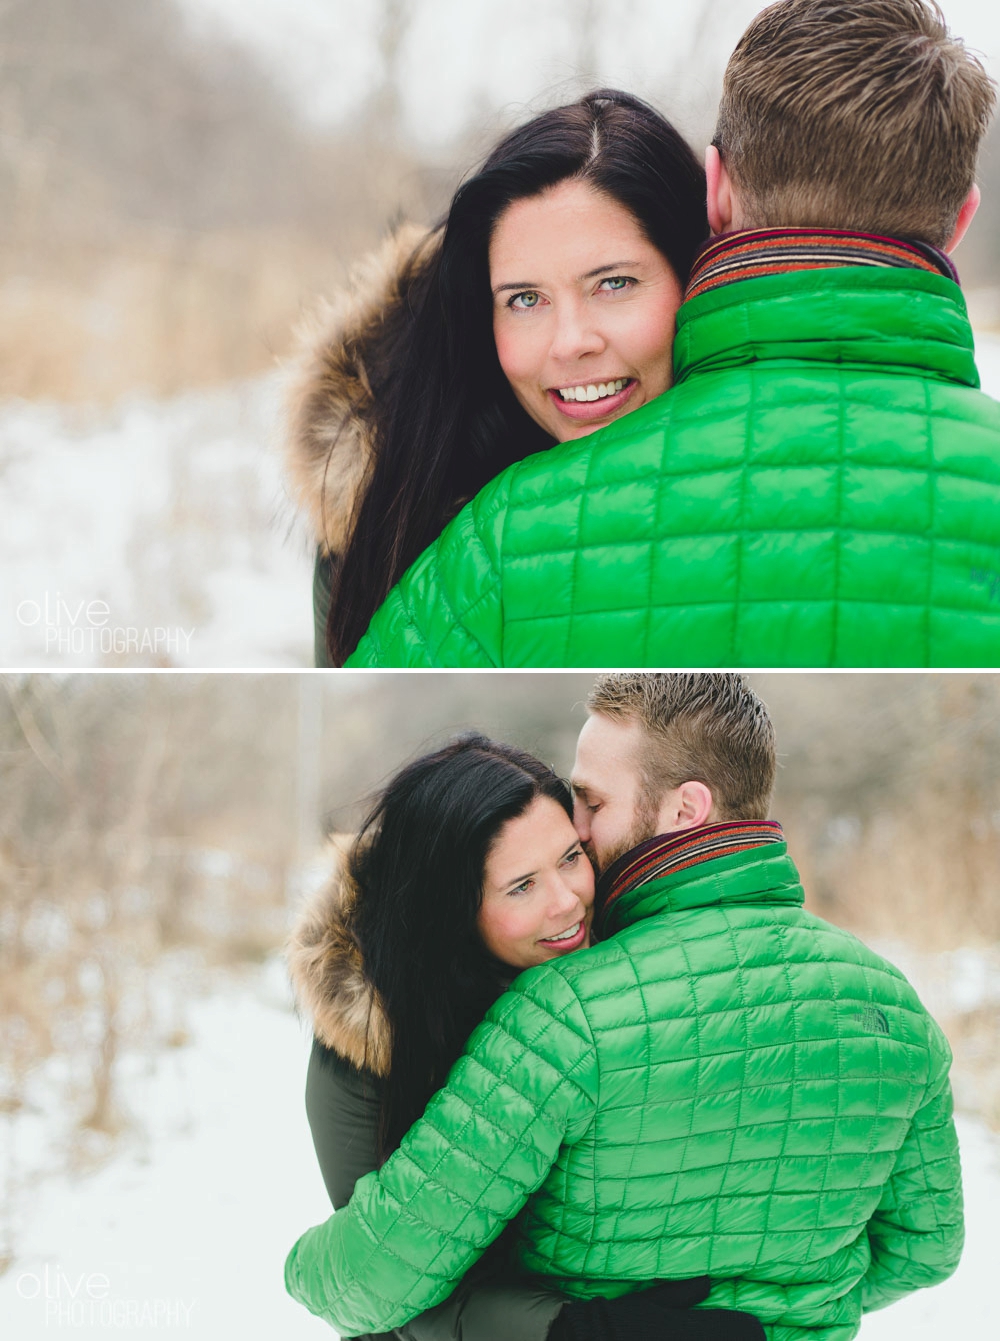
(762, 875)
(851, 316)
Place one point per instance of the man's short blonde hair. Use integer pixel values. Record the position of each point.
(705, 727)
(857, 114)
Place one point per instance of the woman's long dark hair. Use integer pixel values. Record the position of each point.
(445, 420)
(418, 863)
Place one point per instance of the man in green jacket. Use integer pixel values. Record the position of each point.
(724, 1086)
(821, 486)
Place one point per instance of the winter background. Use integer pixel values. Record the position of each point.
(156, 835)
(184, 178)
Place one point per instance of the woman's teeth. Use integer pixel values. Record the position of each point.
(594, 392)
(565, 935)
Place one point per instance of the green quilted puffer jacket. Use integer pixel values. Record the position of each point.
(821, 487)
(726, 1086)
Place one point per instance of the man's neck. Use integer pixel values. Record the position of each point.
(667, 853)
(757, 253)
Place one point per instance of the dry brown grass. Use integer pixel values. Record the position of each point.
(158, 312)
(916, 877)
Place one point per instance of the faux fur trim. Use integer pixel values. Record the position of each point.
(328, 978)
(329, 387)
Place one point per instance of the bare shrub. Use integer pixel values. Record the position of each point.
(168, 213)
(142, 816)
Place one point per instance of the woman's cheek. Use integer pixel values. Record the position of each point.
(514, 347)
(659, 336)
(645, 340)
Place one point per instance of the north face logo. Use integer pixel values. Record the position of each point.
(874, 1020)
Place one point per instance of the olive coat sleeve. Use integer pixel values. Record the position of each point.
(342, 1106)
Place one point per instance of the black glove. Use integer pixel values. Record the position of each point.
(662, 1313)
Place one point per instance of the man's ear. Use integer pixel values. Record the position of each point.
(686, 807)
(965, 217)
(719, 194)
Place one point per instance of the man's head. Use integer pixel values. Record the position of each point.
(864, 115)
(660, 753)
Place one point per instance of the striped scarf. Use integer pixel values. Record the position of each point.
(776, 251)
(671, 852)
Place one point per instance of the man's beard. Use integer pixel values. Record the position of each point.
(643, 827)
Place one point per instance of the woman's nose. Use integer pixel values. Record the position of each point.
(576, 333)
(565, 898)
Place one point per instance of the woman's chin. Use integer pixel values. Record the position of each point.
(572, 433)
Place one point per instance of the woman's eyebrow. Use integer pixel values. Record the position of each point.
(529, 875)
(590, 274)
(612, 265)
(523, 285)
(518, 879)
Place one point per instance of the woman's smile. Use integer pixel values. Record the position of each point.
(571, 939)
(594, 402)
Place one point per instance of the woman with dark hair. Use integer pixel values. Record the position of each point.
(541, 308)
(466, 871)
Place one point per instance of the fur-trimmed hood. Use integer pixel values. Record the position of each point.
(345, 348)
(328, 978)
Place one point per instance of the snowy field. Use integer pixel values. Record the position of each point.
(161, 535)
(188, 1227)
(193, 1220)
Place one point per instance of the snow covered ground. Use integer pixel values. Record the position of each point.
(188, 1228)
(190, 1225)
(157, 535)
(161, 535)
(967, 1306)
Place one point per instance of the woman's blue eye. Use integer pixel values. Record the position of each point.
(617, 282)
(524, 300)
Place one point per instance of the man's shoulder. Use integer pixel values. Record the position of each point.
(546, 495)
(569, 467)
(665, 941)
(596, 974)
(850, 963)
(568, 981)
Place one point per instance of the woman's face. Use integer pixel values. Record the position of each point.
(583, 309)
(538, 888)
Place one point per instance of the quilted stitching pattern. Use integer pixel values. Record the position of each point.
(820, 488)
(735, 1089)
